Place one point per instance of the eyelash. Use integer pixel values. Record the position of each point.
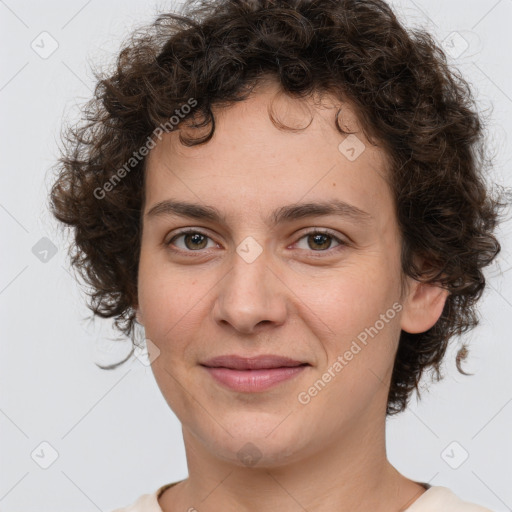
(327, 232)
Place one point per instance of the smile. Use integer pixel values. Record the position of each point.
(252, 374)
(251, 381)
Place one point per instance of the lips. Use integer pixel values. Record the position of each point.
(235, 362)
(252, 374)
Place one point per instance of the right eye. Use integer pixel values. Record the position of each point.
(193, 240)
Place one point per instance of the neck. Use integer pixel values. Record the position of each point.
(351, 473)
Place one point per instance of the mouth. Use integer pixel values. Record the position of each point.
(253, 374)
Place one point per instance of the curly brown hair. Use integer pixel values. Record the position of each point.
(407, 98)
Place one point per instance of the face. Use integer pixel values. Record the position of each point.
(265, 278)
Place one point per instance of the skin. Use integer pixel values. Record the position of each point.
(307, 302)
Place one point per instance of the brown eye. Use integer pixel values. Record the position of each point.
(320, 241)
(193, 240)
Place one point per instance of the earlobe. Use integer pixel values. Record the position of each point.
(423, 307)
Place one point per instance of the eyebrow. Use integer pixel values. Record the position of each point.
(283, 214)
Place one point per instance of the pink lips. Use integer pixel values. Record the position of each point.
(252, 374)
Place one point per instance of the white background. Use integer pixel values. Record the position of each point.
(114, 433)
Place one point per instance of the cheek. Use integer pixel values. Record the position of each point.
(357, 297)
(175, 307)
(170, 305)
(165, 296)
(362, 315)
(363, 318)
(167, 308)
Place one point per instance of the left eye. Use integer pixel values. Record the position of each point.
(318, 241)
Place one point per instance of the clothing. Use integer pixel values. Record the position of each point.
(434, 499)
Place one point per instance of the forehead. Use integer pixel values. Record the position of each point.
(252, 163)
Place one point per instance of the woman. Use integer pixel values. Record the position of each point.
(287, 196)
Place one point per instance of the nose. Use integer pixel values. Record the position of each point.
(251, 296)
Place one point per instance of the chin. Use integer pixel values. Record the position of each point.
(256, 441)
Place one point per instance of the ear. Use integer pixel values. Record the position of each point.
(423, 306)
